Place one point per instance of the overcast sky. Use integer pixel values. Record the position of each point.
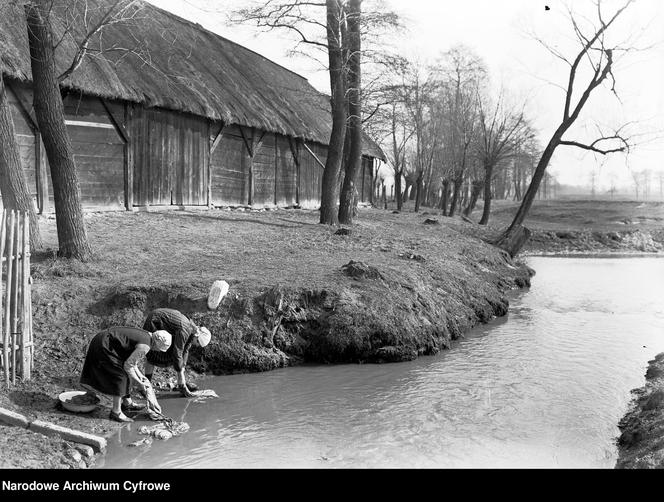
(501, 32)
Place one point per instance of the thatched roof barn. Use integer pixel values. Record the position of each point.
(152, 65)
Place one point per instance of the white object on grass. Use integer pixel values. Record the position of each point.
(218, 290)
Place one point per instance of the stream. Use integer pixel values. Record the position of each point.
(543, 387)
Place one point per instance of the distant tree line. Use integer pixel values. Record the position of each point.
(450, 141)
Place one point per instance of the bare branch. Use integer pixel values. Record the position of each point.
(112, 15)
(593, 147)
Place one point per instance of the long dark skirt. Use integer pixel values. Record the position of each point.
(103, 369)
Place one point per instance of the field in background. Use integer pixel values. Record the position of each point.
(600, 215)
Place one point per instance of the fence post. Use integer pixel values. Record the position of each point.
(26, 332)
(5, 342)
(16, 317)
(16, 288)
(8, 292)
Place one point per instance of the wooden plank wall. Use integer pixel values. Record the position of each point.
(167, 157)
(228, 164)
(25, 136)
(286, 177)
(274, 170)
(264, 171)
(311, 176)
(170, 153)
(98, 151)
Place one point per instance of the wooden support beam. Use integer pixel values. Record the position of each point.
(276, 167)
(253, 146)
(117, 123)
(217, 139)
(213, 146)
(248, 144)
(26, 106)
(247, 181)
(295, 151)
(318, 161)
(258, 144)
(129, 160)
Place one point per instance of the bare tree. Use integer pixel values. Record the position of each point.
(49, 110)
(353, 162)
(396, 135)
(328, 32)
(598, 56)
(81, 24)
(462, 72)
(499, 129)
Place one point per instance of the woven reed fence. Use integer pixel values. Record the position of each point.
(15, 288)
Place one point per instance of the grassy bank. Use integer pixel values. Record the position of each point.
(413, 287)
(641, 442)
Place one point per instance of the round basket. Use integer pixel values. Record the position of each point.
(66, 401)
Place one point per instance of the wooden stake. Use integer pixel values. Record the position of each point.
(16, 287)
(26, 307)
(8, 292)
(5, 347)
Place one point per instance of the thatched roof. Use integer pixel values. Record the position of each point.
(158, 59)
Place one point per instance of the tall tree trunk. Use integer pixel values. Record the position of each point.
(529, 197)
(418, 191)
(515, 236)
(13, 186)
(330, 186)
(456, 192)
(413, 190)
(445, 196)
(49, 109)
(354, 161)
(517, 182)
(397, 189)
(474, 195)
(488, 174)
(406, 191)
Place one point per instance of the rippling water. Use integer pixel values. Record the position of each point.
(543, 387)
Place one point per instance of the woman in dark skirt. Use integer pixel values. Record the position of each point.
(112, 363)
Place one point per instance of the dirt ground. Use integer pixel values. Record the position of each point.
(418, 281)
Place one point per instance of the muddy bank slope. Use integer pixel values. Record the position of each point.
(392, 288)
(641, 442)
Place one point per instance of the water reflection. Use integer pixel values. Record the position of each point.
(543, 387)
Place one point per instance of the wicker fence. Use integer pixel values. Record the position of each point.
(15, 288)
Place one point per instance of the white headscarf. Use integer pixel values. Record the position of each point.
(204, 336)
(161, 340)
